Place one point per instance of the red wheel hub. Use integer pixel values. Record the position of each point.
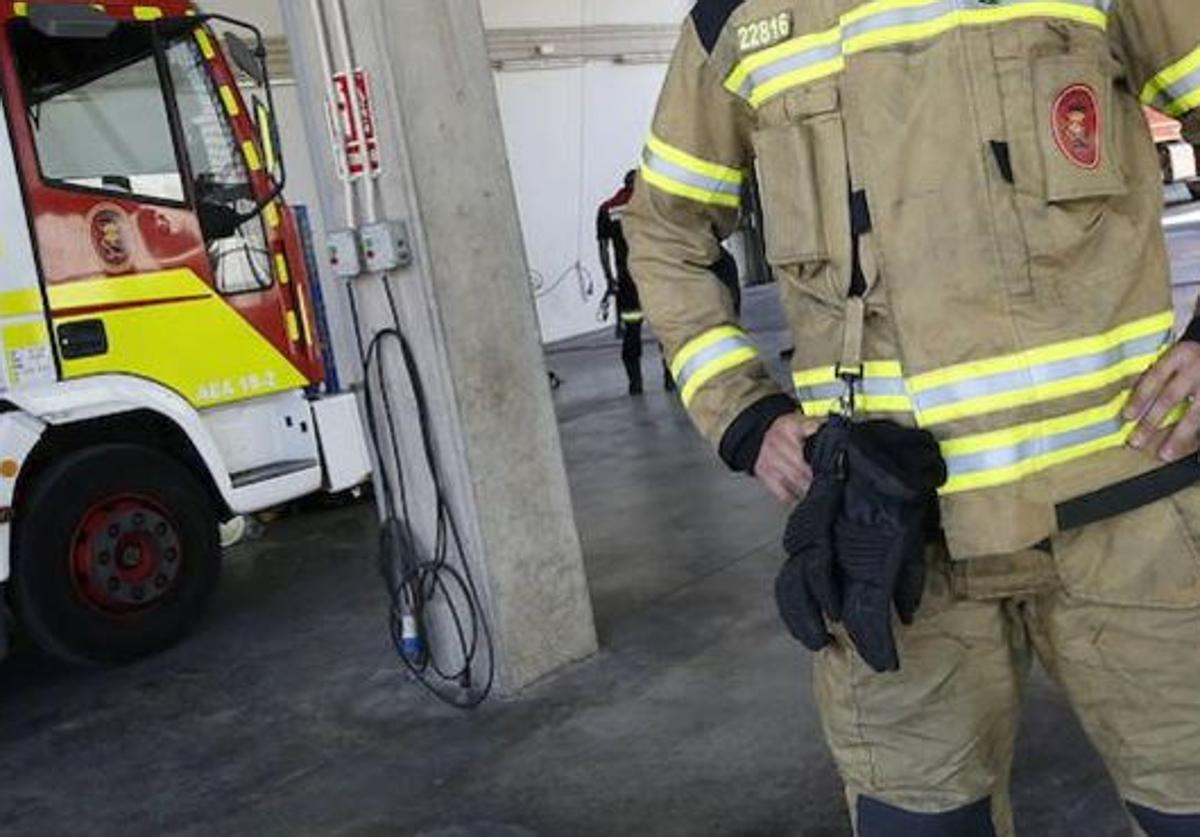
(126, 554)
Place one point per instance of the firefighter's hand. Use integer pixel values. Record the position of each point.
(1170, 383)
(781, 466)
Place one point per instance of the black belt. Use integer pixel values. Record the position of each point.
(1129, 495)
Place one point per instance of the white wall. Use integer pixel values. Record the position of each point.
(514, 13)
(571, 135)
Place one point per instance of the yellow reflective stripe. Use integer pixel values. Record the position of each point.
(20, 9)
(271, 214)
(701, 360)
(20, 303)
(1166, 79)
(820, 409)
(678, 173)
(147, 12)
(795, 79)
(786, 49)
(854, 34)
(281, 269)
(1046, 354)
(205, 43)
(984, 405)
(694, 164)
(683, 190)
(709, 371)
(293, 327)
(699, 344)
(828, 374)
(252, 159)
(230, 100)
(113, 290)
(1024, 434)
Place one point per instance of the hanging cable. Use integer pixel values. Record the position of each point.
(422, 584)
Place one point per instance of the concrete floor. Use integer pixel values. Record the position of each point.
(285, 713)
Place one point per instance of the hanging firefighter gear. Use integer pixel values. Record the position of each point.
(856, 544)
(980, 174)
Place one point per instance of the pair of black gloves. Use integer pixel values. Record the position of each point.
(856, 544)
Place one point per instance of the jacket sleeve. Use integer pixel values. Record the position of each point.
(1158, 41)
(686, 201)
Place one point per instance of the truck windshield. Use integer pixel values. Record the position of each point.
(82, 96)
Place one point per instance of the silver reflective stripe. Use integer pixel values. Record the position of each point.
(992, 460)
(867, 386)
(1034, 376)
(713, 353)
(904, 17)
(1176, 92)
(800, 61)
(690, 178)
(891, 18)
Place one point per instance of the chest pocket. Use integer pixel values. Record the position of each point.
(804, 182)
(1077, 128)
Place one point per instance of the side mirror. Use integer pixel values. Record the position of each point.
(218, 220)
(250, 60)
(73, 21)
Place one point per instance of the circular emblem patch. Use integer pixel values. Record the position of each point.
(1077, 124)
(110, 237)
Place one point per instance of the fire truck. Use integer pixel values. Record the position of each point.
(1178, 157)
(160, 370)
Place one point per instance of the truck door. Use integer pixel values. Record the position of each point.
(135, 150)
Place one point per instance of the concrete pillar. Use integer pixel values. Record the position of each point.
(467, 308)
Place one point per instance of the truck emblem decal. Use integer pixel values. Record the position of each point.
(109, 237)
(1077, 124)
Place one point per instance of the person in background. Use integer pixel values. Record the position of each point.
(614, 261)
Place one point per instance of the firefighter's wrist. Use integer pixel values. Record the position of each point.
(743, 440)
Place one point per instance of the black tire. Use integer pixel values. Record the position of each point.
(71, 611)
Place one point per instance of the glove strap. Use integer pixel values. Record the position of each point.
(851, 370)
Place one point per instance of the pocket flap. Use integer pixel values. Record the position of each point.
(788, 184)
(1073, 95)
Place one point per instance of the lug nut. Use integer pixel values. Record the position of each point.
(161, 582)
(139, 593)
(113, 585)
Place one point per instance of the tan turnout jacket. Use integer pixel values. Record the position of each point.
(989, 162)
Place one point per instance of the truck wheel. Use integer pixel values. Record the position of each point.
(116, 554)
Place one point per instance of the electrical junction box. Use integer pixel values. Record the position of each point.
(345, 255)
(386, 246)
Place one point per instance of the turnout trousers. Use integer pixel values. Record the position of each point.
(1111, 611)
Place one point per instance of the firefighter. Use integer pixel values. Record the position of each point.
(963, 212)
(614, 261)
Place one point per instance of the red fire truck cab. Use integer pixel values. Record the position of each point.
(159, 365)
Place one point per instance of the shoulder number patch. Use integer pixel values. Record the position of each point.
(1078, 125)
(761, 34)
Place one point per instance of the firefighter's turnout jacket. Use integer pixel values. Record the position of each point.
(983, 170)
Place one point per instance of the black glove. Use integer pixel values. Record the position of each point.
(856, 543)
(892, 476)
(806, 589)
